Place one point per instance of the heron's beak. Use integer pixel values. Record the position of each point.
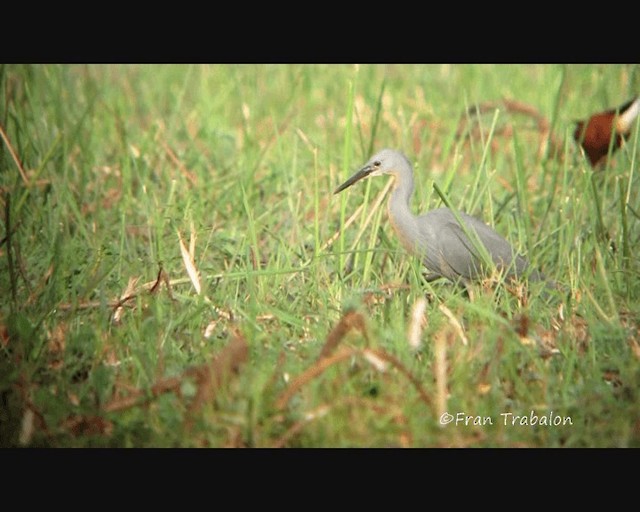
(362, 173)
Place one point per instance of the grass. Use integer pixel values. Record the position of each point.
(127, 188)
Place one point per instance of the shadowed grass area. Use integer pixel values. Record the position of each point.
(177, 272)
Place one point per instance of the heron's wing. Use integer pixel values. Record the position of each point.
(461, 254)
(457, 252)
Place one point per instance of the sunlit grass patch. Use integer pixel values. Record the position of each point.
(176, 270)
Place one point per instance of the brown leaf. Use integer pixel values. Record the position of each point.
(310, 373)
(442, 340)
(4, 336)
(88, 426)
(375, 360)
(55, 345)
(612, 377)
(27, 428)
(455, 323)
(297, 427)
(230, 359)
(73, 398)
(189, 264)
(110, 357)
(418, 321)
(350, 320)
(484, 388)
(56, 339)
(522, 325)
(128, 293)
(399, 366)
(208, 377)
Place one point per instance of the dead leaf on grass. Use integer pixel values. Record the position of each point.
(188, 259)
(79, 426)
(351, 320)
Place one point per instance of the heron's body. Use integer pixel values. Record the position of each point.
(436, 237)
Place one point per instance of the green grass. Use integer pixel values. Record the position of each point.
(241, 161)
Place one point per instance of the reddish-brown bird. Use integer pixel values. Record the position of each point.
(594, 134)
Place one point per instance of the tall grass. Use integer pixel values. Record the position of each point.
(106, 342)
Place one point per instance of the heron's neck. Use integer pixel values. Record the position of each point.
(402, 219)
(400, 200)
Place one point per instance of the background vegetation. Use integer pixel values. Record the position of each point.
(175, 270)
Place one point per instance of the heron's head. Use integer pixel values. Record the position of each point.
(386, 161)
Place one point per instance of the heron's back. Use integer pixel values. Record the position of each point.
(446, 249)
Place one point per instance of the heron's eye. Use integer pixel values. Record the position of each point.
(376, 163)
